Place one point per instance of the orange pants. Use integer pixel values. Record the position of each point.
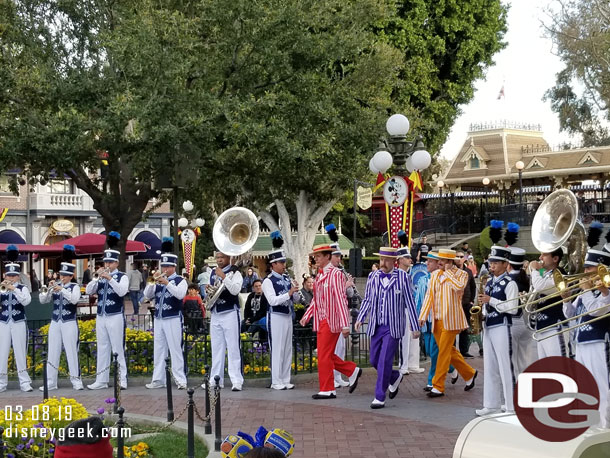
(328, 361)
(448, 355)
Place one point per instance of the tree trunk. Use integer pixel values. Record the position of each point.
(310, 215)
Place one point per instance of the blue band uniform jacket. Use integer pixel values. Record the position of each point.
(502, 289)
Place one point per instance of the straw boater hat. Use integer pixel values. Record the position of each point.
(431, 255)
(444, 253)
(387, 252)
(324, 248)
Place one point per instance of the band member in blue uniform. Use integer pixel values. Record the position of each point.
(545, 285)
(111, 286)
(499, 304)
(591, 349)
(278, 290)
(64, 327)
(168, 290)
(388, 294)
(225, 322)
(13, 328)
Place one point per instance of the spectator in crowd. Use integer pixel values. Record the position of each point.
(194, 310)
(24, 278)
(468, 298)
(249, 280)
(306, 292)
(135, 283)
(55, 277)
(465, 248)
(422, 249)
(484, 268)
(374, 267)
(87, 275)
(471, 265)
(35, 282)
(255, 311)
(526, 267)
(49, 277)
(204, 279)
(145, 273)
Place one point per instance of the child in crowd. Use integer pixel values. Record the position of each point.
(194, 310)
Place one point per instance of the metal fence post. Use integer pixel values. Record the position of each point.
(120, 443)
(191, 425)
(168, 386)
(217, 419)
(117, 388)
(207, 424)
(1, 442)
(45, 381)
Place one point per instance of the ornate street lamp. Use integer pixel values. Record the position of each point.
(486, 182)
(440, 185)
(520, 166)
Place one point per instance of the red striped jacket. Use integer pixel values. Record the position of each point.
(329, 300)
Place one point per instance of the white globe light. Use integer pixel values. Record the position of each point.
(382, 160)
(421, 159)
(440, 183)
(486, 181)
(199, 222)
(188, 206)
(409, 164)
(183, 222)
(372, 167)
(397, 125)
(520, 165)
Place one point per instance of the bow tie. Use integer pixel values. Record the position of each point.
(320, 271)
(385, 275)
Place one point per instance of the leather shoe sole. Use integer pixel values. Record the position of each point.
(353, 387)
(471, 386)
(427, 388)
(454, 379)
(377, 406)
(432, 394)
(323, 396)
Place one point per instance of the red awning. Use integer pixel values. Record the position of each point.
(91, 244)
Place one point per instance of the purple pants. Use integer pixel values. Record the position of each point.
(383, 349)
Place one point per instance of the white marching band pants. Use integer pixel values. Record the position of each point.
(593, 356)
(499, 379)
(525, 350)
(553, 346)
(224, 334)
(280, 339)
(17, 333)
(63, 333)
(409, 349)
(110, 331)
(168, 337)
(340, 352)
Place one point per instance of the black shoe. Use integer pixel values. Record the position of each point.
(467, 356)
(323, 396)
(427, 388)
(355, 384)
(471, 386)
(432, 394)
(455, 379)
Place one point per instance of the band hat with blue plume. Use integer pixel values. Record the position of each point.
(12, 254)
(498, 253)
(68, 253)
(511, 235)
(110, 254)
(168, 258)
(403, 251)
(277, 255)
(331, 230)
(595, 257)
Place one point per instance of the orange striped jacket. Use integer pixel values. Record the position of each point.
(444, 299)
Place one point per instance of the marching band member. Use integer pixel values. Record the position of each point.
(409, 345)
(167, 289)
(13, 328)
(525, 351)
(64, 328)
(111, 286)
(443, 299)
(497, 339)
(544, 285)
(278, 290)
(225, 321)
(331, 320)
(335, 260)
(591, 337)
(388, 295)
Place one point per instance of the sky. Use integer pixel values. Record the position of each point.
(526, 68)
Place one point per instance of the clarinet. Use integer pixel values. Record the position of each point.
(356, 296)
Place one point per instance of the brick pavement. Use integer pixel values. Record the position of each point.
(411, 425)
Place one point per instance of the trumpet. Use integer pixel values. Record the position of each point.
(99, 272)
(6, 286)
(45, 289)
(154, 277)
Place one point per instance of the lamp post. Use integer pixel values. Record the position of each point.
(440, 185)
(520, 166)
(189, 234)
(486, 184)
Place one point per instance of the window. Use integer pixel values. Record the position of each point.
(474, 163)
(5, 184)
(57, 186)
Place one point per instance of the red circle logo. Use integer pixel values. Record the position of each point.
(556, 399)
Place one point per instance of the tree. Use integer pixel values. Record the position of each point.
(580, 31)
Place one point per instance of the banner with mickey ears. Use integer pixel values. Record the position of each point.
(399, 195)
(188, 237)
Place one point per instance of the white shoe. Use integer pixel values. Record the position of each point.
(485, 411)
(50, 388)
(278, 387)
(236, 388)
(416, 370)
(376, 404)
(78, 386)
(155, 385)
(290, 386)
(341, 383)
(97, 386)
(26, 388)
(404, 371)
(123, 386)
(2, 389)
(182, 387)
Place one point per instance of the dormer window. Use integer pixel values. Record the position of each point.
(474, 162)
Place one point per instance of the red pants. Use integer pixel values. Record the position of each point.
(328, 361)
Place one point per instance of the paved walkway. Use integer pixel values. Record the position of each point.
(411, 425)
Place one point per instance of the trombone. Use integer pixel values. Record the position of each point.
(576, 317)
